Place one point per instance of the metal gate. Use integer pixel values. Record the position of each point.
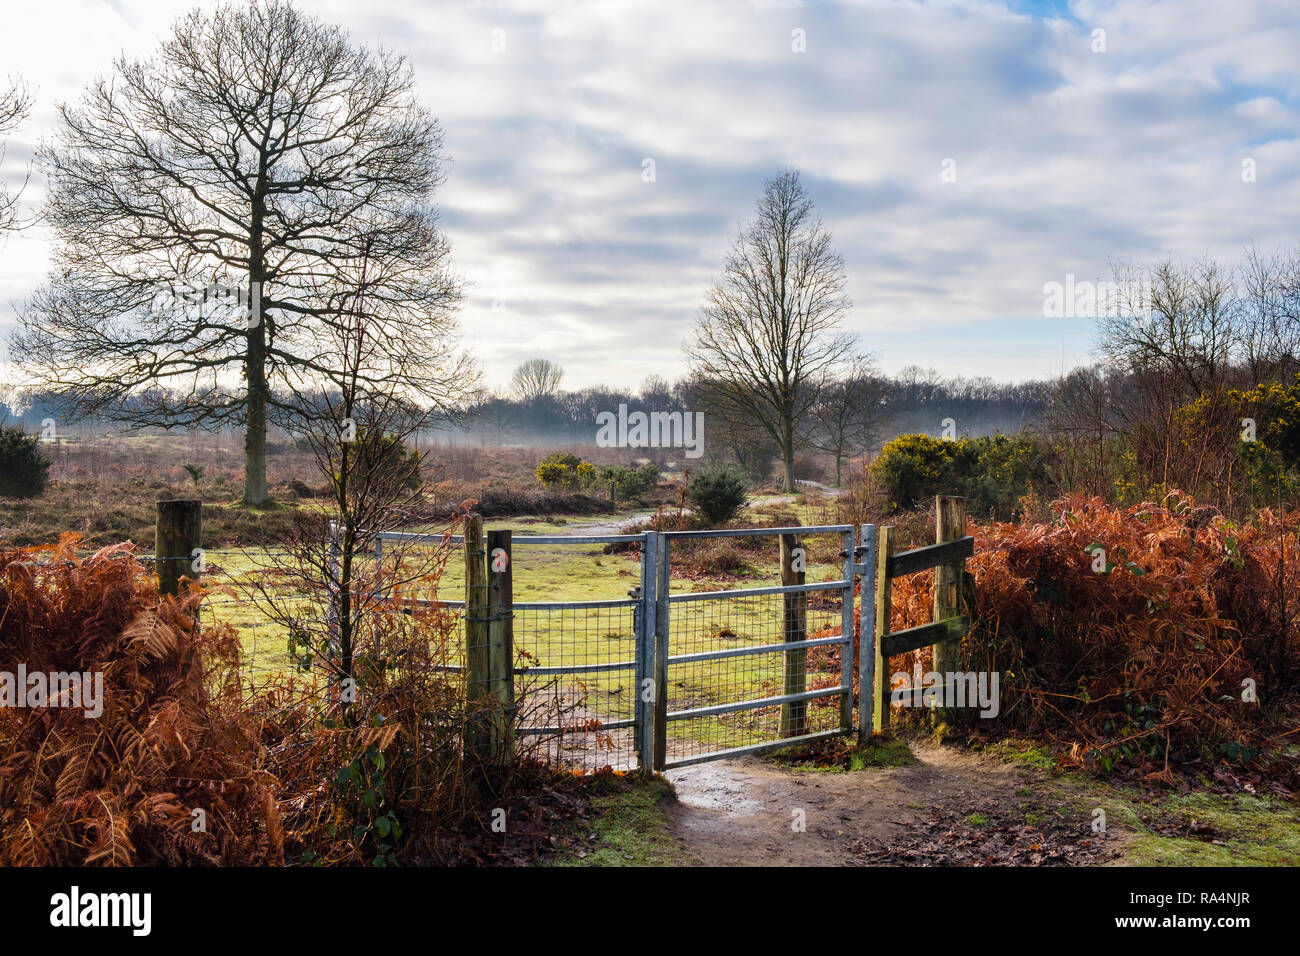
(745, 670)
(663, 679)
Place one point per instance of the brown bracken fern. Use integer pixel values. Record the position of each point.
(123, 788)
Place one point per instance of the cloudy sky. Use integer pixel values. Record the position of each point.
(963, 153)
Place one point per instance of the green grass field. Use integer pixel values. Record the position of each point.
(567, 637)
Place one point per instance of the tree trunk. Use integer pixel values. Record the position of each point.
(255, 357)
(255, 431)
(787, 460)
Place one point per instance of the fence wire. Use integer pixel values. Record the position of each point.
(706, 626)
(575, 674)
(581, 718)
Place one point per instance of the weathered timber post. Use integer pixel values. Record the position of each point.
(794, 713)
(478, 677)
(950, 524)
(881, 691)
(501, 644)
(868, 649)
(177, 536)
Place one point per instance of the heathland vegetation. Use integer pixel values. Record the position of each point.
(1137, 567)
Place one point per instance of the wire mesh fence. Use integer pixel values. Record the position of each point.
(579, 662)
(729, 651)
(576, 648)
(575, 680)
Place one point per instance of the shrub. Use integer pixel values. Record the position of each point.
(631, 482)
(567, 471)
(1240, 447)
(718, 494)
(1269, 464)
(1144, 660)
(915, 467)
(994, 472)
(385, 460)
(1002, 470)
(508, 501)
(23, 469)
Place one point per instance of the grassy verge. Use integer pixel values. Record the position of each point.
(629, 826)
(843, 755)
(1204, 829)
(1197, 828)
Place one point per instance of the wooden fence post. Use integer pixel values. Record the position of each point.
(501, 643)
(795, 617)
(178, 533)
(478, 676)
(881, 692)
(950, 524)
(867, 650)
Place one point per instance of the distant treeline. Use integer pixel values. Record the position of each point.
(915, 400)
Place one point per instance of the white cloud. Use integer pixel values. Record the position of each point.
(1065, 158)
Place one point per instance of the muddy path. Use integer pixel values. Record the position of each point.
(580, 528)
(951, 808)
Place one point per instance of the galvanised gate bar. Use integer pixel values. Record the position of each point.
(745, 670)
(661, 678)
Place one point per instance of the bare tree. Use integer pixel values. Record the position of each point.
(732, 438)
(356, 423)
(536, 378)
(255, 152)
(1087, 413)
(15, 106)
(1270, 293)
(1176, 320)
(1182, 337)
(495, 416)
(768, 336)
(847, 414)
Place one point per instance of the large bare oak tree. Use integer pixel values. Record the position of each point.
(768, 338)
(259, 150)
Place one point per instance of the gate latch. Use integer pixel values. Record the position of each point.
(858, 554)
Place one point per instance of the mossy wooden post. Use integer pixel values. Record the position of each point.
(177, 535)
(478, 674)
(501, 643)
(950, 524)
(795, 615)
(881, 692)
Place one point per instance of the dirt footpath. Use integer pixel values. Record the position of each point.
(951, 808)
